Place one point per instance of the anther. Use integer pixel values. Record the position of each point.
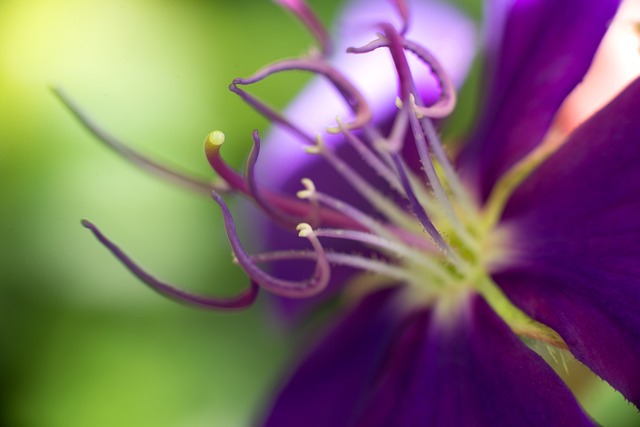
(309, 189)
(304, 230)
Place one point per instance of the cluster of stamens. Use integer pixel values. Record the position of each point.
(432, 240)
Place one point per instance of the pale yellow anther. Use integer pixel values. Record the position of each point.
(417, 112)
(216, 137)
(399, 103)
(309, 189)
(336, 129)
(304, 229)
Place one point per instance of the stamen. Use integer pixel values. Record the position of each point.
(421, 214)
(271, 114)
(212, 144)
(403, 11)
(447, 100)
(373, 196)
(396, 49)
(309, 19)
(353, 97)
(348, 260)
(293, 207)
(288, 288)
(421, 259)
(169, 174)
(451, 177)
(408, 94)
(243, 300)
(436, 185)
(370, 158)
(395, 142)
(344, 208)
(276, 214)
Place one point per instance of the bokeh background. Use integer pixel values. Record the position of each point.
(82, 342)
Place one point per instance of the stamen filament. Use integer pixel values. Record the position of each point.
(243, 300)
(421, 214)
(169, 174)
(289, 288)
(309, 19)
(451, 178)
(370, 158)
(354, 99)
(212, 145)
(373, 196)
(436, 185)
(347, 210)
(403, 11)
(275, 213)
(348, 260)
(392, 247)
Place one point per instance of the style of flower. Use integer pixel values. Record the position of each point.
(453, 264)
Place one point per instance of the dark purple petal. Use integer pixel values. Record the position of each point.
(328, 384)
(575, 244)
(545, 50)
(471, 370)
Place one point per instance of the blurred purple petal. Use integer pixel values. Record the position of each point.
(575, 262)
(326, 387)
(546, 49)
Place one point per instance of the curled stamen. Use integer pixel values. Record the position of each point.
(447, 100)
(369, 192)
(212, 144)
(349, 260)
(396, 49)
(362, 219)
(370, 158)
(309, 19)
(390, 247)
(421, 214)
(436, 185)
(403, 11)
(353, 97)
(271, 114)
(244, 300)
(278, 215)
(139, 160)
(289, 288)
(293, 207)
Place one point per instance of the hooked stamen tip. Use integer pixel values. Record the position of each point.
(309, 189)
(304, 230)
(215, 138)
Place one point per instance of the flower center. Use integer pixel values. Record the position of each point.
(423, 227)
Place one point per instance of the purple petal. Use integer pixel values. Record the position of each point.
(326, 387)
(545, 50)
(575, 262)
(471, 370)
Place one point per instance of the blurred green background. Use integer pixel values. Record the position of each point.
(82, 342)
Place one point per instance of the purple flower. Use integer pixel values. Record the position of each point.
(452, 261)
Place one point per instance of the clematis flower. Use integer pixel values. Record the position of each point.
(453, 260)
